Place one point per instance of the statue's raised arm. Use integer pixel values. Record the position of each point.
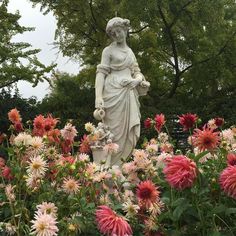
(119, 83)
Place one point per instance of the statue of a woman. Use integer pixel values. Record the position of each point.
(119, 83)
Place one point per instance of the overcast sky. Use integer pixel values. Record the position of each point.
(41, 38)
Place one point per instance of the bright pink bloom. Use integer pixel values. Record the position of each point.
(188, 120)
(231, 159)
(219, 121)
(159, 122)
(147, 193)
(180, 172)
(228, 181)
(148, 123)
(206, 139)
(109, 223)
(14, 116)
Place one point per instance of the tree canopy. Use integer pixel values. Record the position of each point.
(18, 60)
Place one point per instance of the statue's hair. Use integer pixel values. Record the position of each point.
(117, 21)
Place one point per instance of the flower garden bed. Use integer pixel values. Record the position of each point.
(50, 187)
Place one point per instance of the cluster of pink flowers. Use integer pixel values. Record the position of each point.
(158, 122)
(44, 223)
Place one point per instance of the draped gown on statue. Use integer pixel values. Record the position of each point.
(121, 102)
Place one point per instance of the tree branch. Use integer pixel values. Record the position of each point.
(139, 30)
(175, 54)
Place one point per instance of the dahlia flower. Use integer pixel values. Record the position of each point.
(228, 181)
(48, 208)
(44, 225)
(37, 166)
(22, 139)
(69, 132)
(130, 209)
(70, 185)
(159, 122)
(147, 193)
(109, 223)
(14, 116)
(180, 172)
(206, 139)
(188, 120)
(148, 123)
(89, 127)
(231, 159)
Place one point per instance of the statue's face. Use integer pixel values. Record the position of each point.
(118, 34)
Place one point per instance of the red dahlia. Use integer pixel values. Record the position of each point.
(188, 120)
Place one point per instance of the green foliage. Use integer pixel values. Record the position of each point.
(185, 48)
(28, 107)
(17, 60)
(72, 98)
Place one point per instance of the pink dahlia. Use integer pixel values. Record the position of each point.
(159, 122)
(109, 223)
(180, 172)
(228, 181)
(188, 120)
(147, 193)
(206, 139)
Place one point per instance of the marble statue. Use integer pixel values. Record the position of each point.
(119, 83)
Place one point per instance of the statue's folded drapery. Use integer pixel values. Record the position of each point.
(121, 104)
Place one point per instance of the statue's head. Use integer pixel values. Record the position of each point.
(117, 22)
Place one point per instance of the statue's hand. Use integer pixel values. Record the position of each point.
(145, 84)
(133, 83)
(99, 103)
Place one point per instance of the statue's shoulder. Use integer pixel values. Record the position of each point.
(107, 50)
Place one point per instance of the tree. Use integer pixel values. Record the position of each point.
(17, 60)
(185, 48)
(71, 98)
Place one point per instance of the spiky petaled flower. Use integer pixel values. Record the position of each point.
(44, 225)
(180, 172)
(109, 223)
(22, 139)
(206, 139)
(69, 132)
(159, 122)
(228, 181)
(147, 193)
(14, 116)
(70, 185)
(48, 208)
(188, 120)
(37, 166)
(130, 209)
(89, 127)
